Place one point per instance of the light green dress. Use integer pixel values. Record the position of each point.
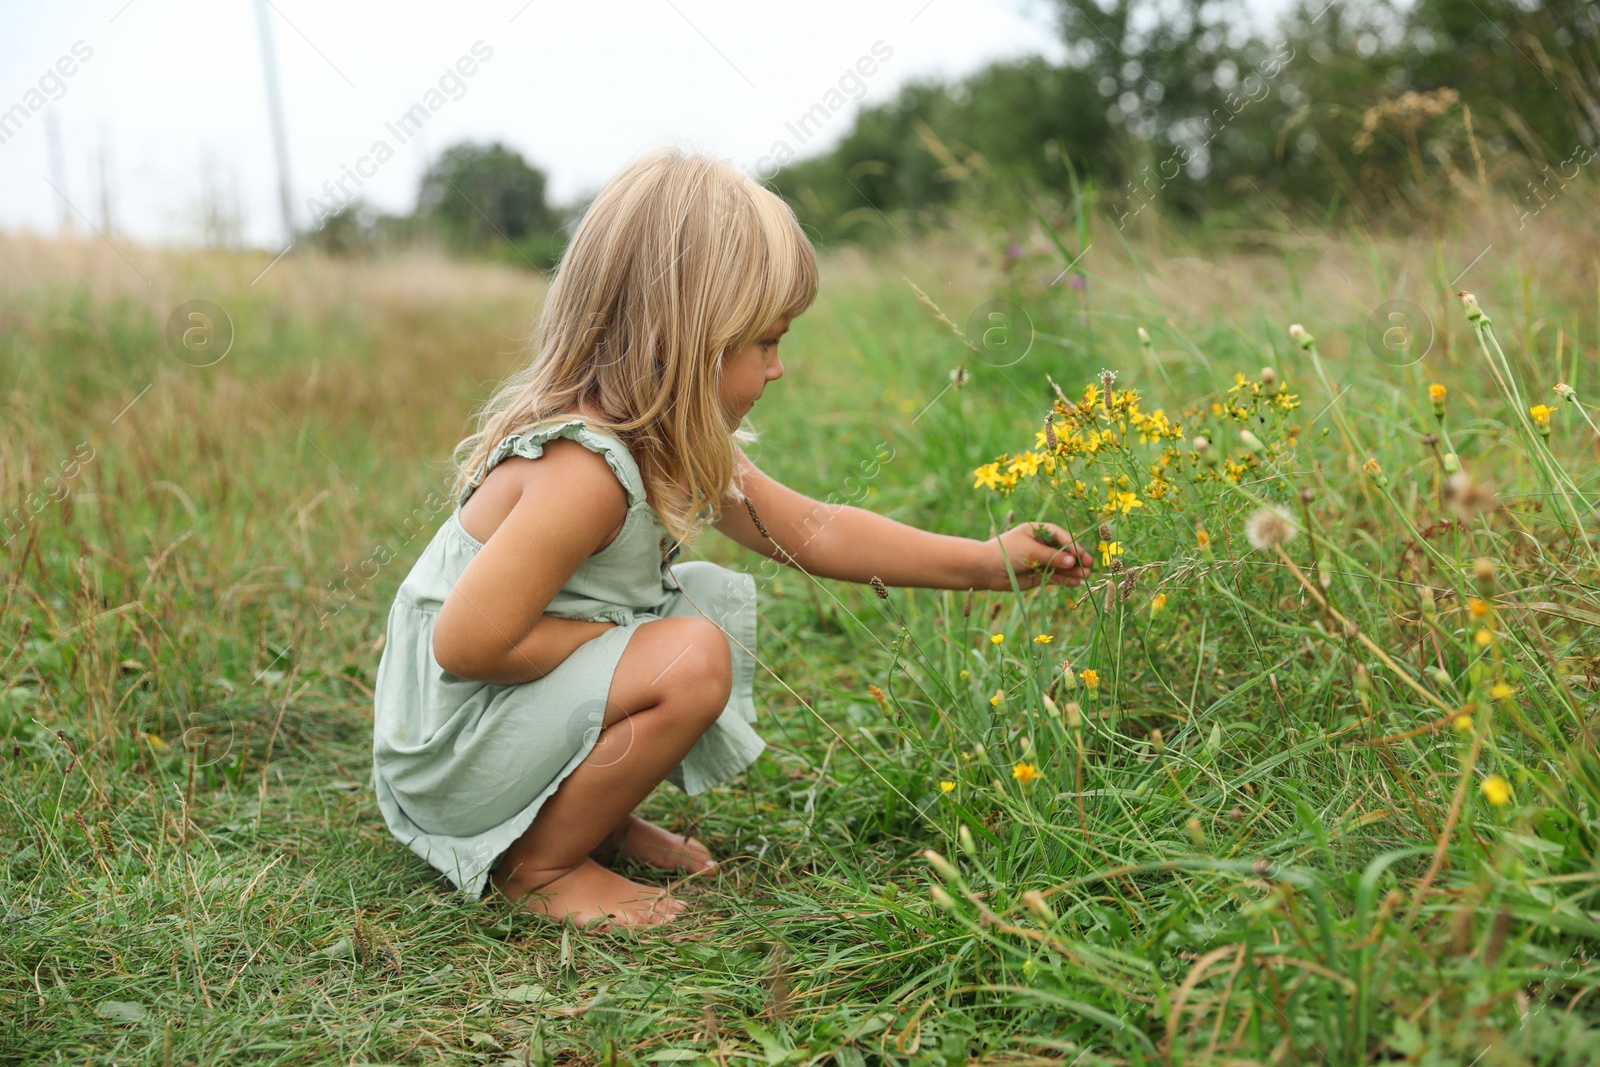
(461, 767)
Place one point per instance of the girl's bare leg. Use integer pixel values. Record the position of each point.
(671, 683)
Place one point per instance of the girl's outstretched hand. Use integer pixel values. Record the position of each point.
(1039, 552)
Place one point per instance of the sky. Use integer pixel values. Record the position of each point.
(160, 106)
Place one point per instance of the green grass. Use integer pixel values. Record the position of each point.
(1302, 870)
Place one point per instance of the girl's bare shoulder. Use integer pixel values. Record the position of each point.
(565, 470)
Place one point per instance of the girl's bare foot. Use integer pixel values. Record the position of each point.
(653, 846)
(588, 894)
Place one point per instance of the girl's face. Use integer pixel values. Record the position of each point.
(745, 373)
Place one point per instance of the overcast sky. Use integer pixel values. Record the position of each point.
(172, 92)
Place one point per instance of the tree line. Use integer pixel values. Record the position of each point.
(1365, 106)
(1371, 107)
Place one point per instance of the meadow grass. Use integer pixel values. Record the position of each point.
(1258, 832)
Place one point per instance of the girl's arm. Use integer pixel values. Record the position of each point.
(854, 545)
(492, 627)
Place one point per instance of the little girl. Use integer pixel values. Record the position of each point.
(548, 662)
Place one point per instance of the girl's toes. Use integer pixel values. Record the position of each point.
(697, 856)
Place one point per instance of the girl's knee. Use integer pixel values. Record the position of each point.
(698, 668)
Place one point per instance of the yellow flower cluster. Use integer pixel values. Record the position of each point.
(1097, 424)
(1278, 397)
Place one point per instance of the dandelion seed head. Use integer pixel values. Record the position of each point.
(1269, 527)
(1468, 496)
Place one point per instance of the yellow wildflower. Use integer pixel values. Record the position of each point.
(1109, 549)
(1025, 464)
(1120, 500)
(1462, 723)
(988, 476)
(995, 639)
(1541, 417)
(1496, 790)
(947, 786)
(1157, 603)
(1044, 639)
(1500, 691)
(1025, 772)
(1091, 678)
(1483, 638)
(998, 698)
(1477, 607)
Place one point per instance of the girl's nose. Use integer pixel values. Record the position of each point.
(775, 371)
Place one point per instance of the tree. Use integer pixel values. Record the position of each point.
(477, 195)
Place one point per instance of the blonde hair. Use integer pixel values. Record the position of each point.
(679, 262)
